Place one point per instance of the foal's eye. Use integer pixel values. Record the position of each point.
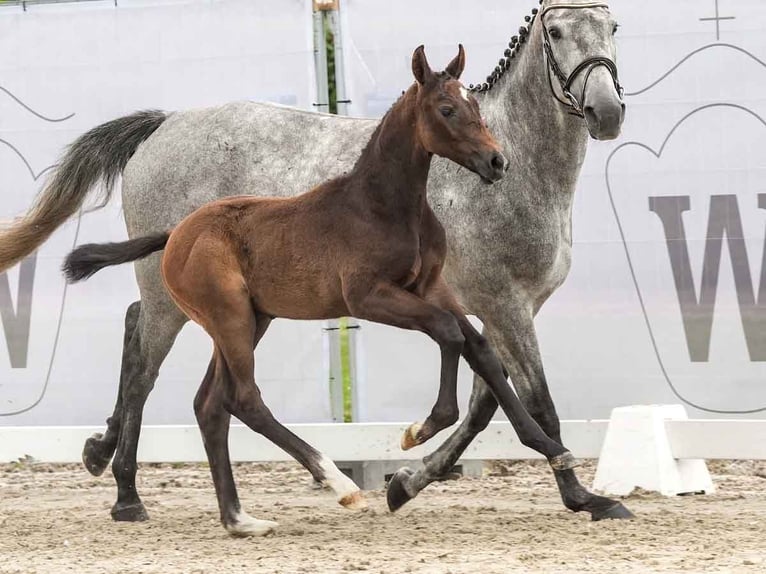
(614, 29)
(447, 112)
(554, 33)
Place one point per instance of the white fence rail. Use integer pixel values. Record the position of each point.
(708, 439)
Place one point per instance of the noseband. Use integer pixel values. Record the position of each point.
(587, 65)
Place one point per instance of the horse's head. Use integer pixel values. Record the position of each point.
(449, 122)
(578, 38)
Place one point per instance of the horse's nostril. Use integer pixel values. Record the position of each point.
(591, 117)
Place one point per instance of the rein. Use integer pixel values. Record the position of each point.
(587, 65)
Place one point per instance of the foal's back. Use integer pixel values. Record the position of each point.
(266, 246)
(288, 253)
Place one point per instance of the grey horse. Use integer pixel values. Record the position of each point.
(509, 245)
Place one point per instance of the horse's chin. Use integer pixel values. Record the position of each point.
(603, 136)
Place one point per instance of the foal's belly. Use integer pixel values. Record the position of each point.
(298, 297)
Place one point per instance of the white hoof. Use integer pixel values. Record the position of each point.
(410, 436)
(339, 482)
(353, 501)
(245, 525)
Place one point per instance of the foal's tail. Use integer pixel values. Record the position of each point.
(91, 258)
(98, 155)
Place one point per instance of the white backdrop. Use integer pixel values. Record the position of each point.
(86, 63)
(99, 62)
(596, 346)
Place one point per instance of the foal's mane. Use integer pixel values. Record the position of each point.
(511, 52)
(370, 145)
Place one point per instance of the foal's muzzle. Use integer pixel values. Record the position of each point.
(491, 167)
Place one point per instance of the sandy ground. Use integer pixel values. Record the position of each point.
(55, 519)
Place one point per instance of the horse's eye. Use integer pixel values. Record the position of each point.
(554, 33)
(614, 29)
(447, 112)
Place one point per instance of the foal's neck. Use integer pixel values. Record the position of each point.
(392, 172)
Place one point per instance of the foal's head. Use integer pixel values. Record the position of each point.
(449, 123)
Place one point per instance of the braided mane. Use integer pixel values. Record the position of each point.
(514, 46)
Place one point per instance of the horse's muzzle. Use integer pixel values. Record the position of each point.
(604, 117)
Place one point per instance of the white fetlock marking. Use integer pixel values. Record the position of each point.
(246, 525)
(335, 479)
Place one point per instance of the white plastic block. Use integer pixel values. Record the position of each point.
(637, 453)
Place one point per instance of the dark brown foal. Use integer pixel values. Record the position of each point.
(365, 244)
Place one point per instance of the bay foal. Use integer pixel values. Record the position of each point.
(365, 244)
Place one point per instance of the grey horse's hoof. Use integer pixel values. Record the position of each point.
(94, 456)
(396, 495)
(564, 461)
(617, 511)
(130, 513)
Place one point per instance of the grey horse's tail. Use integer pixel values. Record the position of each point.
(98, 155)
(88, 259)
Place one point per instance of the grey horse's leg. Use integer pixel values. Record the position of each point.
(99, 448)
(159, 322)
(520, 353)
(405, 484)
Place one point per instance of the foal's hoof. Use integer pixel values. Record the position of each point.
(245, 525)
(410, 436)
(396, 495)
(94, 455)
(353, 501)
(564, 461)
(616, 511)
(130, 513)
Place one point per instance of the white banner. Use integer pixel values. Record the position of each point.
(65, 68)
(634, 323)
(613, 335)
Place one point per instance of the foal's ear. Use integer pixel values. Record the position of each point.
(456, 66)
(420, 68)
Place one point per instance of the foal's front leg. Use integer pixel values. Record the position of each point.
(485, 363)
(389, 304)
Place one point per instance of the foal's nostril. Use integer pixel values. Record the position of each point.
(498, 162)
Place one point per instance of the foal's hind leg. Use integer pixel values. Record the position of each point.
(99, 448)
(213, 420)
(232, 324)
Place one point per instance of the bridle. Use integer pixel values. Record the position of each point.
(587, 65)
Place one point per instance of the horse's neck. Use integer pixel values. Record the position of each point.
(392, 171)
(545, 143)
